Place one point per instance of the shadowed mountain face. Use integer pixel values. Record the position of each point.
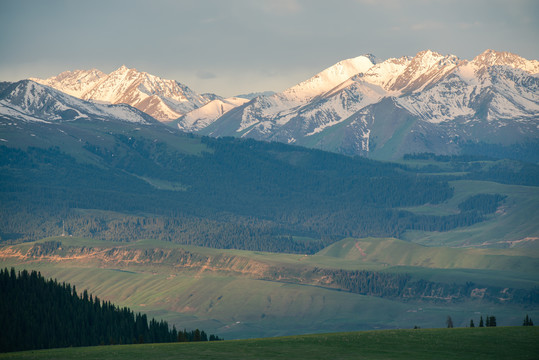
(32, 102)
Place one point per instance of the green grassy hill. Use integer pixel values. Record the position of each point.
(242, 294)
(515, 224)
(394, 252)
(484, 343)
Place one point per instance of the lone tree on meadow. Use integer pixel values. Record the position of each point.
(449, 322)
(527, 321)
(471, 323)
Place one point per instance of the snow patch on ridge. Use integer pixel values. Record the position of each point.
(328, 78)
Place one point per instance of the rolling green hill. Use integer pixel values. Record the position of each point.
(243, 294)
(515, 223)
(245, 238)
(484, 343)
(394, 252)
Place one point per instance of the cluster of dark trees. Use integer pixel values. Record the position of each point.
(527, 321)
(526, 151)
(36, 313)
(242, 194)
(519, 171)
(482, 203)
(403, 286)
(447, 158)
(490, 321)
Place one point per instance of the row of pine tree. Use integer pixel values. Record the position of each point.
(36, 313)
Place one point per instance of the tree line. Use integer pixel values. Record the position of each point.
(242, 194)
(403, 286)
(36, 313)
(521, 170)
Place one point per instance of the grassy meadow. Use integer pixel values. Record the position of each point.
(515, 224)
(228, 297)
(476, 343)
(224, 296)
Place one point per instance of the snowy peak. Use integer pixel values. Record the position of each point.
(202, 117)
(503, 58)
(74, 83)
(30, 101)
(430, 102)
(124, 68)
(384, 74)
(423, 69)
(29, 97)
(329, 78)
(163, 99)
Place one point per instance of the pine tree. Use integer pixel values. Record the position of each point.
(196, 336)
(481, 321)
(449, 322)
(492, 321)
(471, 323)
(56, 316)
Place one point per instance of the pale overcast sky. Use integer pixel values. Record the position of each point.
(233, 47)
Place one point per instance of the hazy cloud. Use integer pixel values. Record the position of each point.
(281, 7)
(205, 75)
(428, 25)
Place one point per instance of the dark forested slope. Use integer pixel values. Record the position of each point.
(125, 181)
(36, 313)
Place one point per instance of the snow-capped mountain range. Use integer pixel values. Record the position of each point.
(429, 102)
(163, 99)
(29, 101)
(359, 106)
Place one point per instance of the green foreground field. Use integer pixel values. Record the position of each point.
(458, 343)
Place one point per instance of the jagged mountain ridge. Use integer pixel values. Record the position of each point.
(432, 103)
(75, 83)
(163, 99)
(29, 101)
(445, 100)
(205, 115)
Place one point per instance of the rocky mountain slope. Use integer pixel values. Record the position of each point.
(162, 99)
(207, 114)
(428, 103)
(360, 106)
(29, 101)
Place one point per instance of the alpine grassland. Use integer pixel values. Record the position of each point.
(457, 343)
(245, 294)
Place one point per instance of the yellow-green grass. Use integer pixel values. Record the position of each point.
(515, 224)
(477, 343)
(236, 304)
(349, 254)
(241, 307)
(394, 252)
